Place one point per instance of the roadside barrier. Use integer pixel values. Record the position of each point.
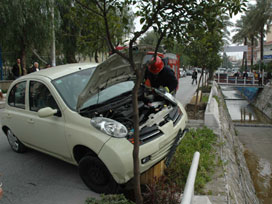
(188, 194)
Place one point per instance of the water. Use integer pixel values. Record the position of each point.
(260, 171)
(240, 110)
(257, 141)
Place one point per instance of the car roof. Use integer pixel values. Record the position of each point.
(61, 70)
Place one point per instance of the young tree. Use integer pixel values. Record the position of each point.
(169, 19)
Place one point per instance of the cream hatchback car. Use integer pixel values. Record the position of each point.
(82, 114)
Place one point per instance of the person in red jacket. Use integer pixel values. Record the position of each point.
(159, 75)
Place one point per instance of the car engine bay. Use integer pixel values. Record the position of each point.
(155, 109)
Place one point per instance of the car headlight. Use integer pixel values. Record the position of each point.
(109, 126)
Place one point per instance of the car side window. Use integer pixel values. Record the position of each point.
(40, 97)
(17, 95)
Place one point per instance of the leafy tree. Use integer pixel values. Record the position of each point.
(241, 37)
(24, 27)
(226, 61)
(67, 31)
(93, 37)
(150, 38)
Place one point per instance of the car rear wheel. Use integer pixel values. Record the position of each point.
(15, 143)
(96, 175)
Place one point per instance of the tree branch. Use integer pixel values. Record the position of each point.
(88, 8)
(39, 57)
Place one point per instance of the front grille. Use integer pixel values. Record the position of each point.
(149, 133)
(174, 115)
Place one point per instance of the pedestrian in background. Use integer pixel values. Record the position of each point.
(260, 79)
(194, 77)
(245, 75)
(48, 65)
(34, 68)
(17, 69)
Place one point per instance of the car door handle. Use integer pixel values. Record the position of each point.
(9, 115)
(31, 121)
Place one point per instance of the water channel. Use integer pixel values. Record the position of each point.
(254, 131)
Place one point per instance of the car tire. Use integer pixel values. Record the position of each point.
(96, 175)
(15, 143)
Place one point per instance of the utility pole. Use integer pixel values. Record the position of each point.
(1, 67)
(53, 49)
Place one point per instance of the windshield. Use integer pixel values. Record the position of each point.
(109, 93)
(70, 86)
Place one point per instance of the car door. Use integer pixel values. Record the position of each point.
(46, 134)
(14, 114)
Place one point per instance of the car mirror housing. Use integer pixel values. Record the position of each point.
(46, 112)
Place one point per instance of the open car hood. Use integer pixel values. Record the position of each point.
(112, 71)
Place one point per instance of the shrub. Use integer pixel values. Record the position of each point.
(109, 199)
(161, 192)
(205, 99)
(203, 141)
(205, 89)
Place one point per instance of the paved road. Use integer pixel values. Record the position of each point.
(186, 90)
(34, 177)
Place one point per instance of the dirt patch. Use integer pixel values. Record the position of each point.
(195, 113)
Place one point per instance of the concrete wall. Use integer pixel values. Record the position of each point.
(4, 84)
(232, 182)
(264, 101)
(211, 116)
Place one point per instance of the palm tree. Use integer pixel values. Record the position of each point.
(241, 36)
(251, 31)
(261, 17)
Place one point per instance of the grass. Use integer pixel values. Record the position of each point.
(205, 89)
(201, 140)
(217, 99)
(205, 99)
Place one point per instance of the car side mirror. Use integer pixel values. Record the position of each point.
(47, 112)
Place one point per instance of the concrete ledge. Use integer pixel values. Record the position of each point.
(4, 84)
(211, 116)
(201, 200)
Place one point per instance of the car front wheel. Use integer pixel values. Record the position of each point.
(15, 143)
(96, 175)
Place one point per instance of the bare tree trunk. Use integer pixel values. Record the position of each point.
(96, 57)
(23, 58)
(252, 50)
(245, 54)
(262, 42)
(197, 91)
(39, 57)
(137, 184)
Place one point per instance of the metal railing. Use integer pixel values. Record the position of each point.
(244, 81)
(188, 194)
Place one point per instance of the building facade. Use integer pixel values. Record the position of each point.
(256, 50)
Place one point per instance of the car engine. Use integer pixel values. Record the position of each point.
(155, 109)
